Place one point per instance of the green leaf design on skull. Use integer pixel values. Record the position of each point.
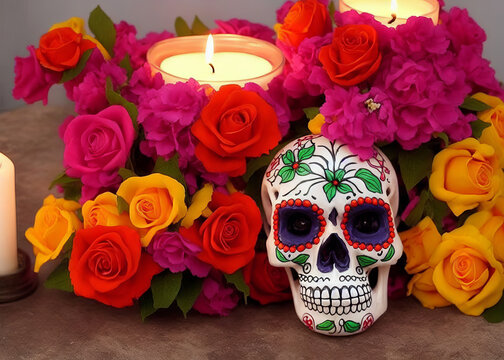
(365, 260)
(306, 153)
(300, 259)
(344, 188)
(286, 173)
(330, 191)
(351, 326)
(303, 169)
(288, 158)
(327, 325)
(390, 253)
(280, 256)
(371, 181)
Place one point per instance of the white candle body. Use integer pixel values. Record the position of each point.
(8, 232)
(230, 67)
(382, 9)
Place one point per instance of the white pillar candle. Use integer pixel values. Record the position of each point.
(8, 232)
(382, 10)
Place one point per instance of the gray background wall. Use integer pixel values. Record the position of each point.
(23, 21)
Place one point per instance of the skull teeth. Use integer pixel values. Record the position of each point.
(337, 300)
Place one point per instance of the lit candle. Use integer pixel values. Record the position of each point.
(8, 233)
(236, 60)
(393, 12)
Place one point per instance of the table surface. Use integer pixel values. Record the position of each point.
(51, 324)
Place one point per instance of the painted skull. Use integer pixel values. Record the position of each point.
(330, 219)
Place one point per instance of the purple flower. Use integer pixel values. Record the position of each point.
(32, 81)
(141, 81)
(216, 298)
(96, 146)
(166, 115)
(358, 119)
(245, 28)
(172, 251)
(89, 95)
(462, 29)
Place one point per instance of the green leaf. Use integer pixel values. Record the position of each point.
(126, 65)
(415, 165)
(311, 112)
(67, 248)
(495, 314)
(327, 325)
(198, 28)
(443, 137)
(63, 179)
(300, 259)
(181, 27)
(253, 188)
(416, 214)
(170, 168)
(165, 288)
(365, 260)
(371, 181)
(114, 98)
(338, 175)
(437, 210)
(188, 294)
(288, 158)
(478, 126)
(103, 29)
(330, 191)
(262, 161)
(281, 257)
(351, 326)
(344, 188)
(146, 305)
(126, 173)
(72, 73)
(122, 205)
(329, 175)
(332, 10)
(303, 169)
(472, 104)
(390, 253)
(306, 153)
(60, 278)
(237, 280)
(287, 174)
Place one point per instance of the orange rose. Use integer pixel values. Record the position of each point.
(61, 49)
(493, 135)
(228, 236)
(422, 287)
(492, 226)
(465, 174)
(103, 211)
(353, 56)
(235, 124)
(305, 19)
(419, 244)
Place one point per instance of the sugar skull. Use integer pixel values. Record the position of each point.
(330, 220)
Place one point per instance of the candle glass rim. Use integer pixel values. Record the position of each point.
(435, 10)
(273, 50)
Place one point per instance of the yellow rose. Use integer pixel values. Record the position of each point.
(466, 272)
(465, 174)
(419, 243)
(199, 205)
(493, 135)
(77, 25)
(155, 202)
(492, 226)
(422, 287)
(55, 222)
(103, 211)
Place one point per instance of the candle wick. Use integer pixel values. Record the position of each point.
(213, 69)
(394, 17)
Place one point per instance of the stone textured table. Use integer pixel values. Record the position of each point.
(55, 325)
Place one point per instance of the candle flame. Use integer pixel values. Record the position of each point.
(209, 49)
(393, 6)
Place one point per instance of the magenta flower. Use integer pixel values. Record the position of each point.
(93, 64)
(245, 28)
(462, 29)
(32, 81)
(166, 115)
(172, 251)
(96, 146)
(141, 81)
(216, 298)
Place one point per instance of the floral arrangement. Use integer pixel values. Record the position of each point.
(161, 182)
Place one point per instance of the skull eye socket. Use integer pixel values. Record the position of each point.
(297, 225)
(367, 224)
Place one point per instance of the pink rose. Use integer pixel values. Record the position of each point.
(32, 82)
(96, 146)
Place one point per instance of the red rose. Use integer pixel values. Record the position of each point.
(235, 124)
(353, 56)
(228, 236)
(305, 19)
(267, 283)
(61, 49)
(107, 264)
